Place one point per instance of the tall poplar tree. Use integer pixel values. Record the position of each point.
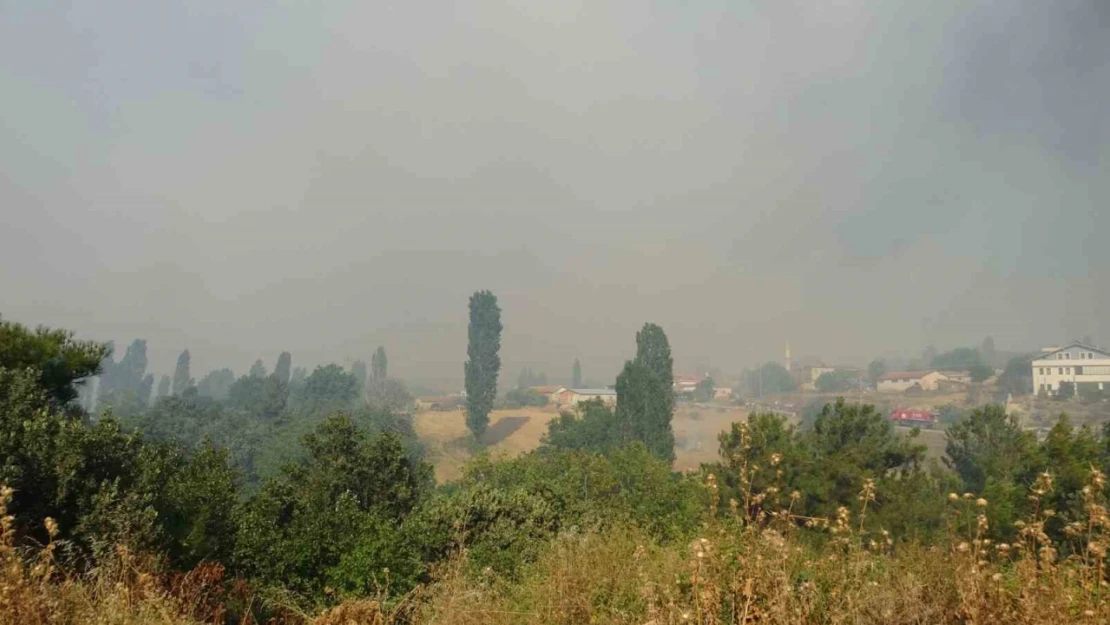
(181, 378)
(283, 367)
(483, 362)
(576, 375)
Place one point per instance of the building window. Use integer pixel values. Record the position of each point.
(1061, 371)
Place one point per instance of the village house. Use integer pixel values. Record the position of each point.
(571, 397)
(1083, 366)
(901, 381)
(686, 383)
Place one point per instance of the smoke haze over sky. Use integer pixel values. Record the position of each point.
(859, 178)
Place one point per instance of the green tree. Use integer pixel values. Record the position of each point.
(959, 359)
(854, 442)
(145, 389)
(1066, 390)
(483, 362)
(181, 378)
(299, 528)
(836, 381)
(528, 378)
(164, 386)
(379, 369)
(576, 375)
(876, 369)
(63, 364)
(1017, 377)
(980, 372)
(216, 384)
(654, 352)
(989, 445)
(770, 379)
(594, 428)
(705, 390)
(258, 370)
(359, 373)
(283, 368)
(988, 351)
(125, 377)
(644, 409)
(328, 390)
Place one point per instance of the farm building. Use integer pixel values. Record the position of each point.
(570, 397)
(900, 381)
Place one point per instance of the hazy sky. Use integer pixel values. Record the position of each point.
(858, 178)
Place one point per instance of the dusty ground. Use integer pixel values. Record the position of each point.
(448, 440)
(513, 432)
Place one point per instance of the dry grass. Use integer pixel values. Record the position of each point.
(755, 565)
(696, 428)
(448, 440)
(122, 590)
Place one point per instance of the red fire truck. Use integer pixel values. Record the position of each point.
(911, 417)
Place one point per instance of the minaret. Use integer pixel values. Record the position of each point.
(788, 367)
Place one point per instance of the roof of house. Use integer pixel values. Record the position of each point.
(1080, 345)
(593, 391)
(905, 375)
(545, 390)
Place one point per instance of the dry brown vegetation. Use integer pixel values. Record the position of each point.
(761, 563)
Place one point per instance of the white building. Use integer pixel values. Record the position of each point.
(570, 397)
(1085, 367)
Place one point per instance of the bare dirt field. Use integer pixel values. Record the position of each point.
(513, 432)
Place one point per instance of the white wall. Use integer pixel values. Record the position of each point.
(1065, 366)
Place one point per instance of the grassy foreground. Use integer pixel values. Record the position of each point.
(774, 567)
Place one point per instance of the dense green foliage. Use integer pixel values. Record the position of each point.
(705, 390)
(483, 362)
(60, 362)
(835, 381)
(644, 409)
(964, 359)
(1017, 377)
(301, 524)
(828, 464)
(645, 406)
(769, 379)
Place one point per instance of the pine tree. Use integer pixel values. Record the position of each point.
(181, 378)
(483, 362)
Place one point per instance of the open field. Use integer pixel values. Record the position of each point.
(932, 439)
(513, 432)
